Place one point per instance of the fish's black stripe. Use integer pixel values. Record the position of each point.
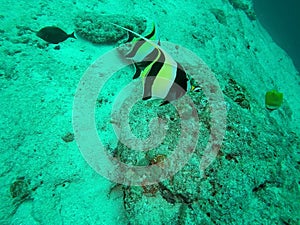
(137, 71)
(149, 36)
(181, 77)
(151, 56)
(155, 68)
(179, 87)
(139, 66)
(151, 75)
(148, 59)
(135, 48)
(139, 43)
(148, 87)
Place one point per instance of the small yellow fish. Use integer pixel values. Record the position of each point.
(273, 99)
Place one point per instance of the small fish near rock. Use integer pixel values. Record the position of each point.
(54, 35)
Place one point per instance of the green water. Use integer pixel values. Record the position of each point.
(80, 146)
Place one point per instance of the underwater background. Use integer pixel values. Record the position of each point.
(252, 178)
(281, 20)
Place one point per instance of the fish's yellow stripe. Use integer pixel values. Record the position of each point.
(164, 79)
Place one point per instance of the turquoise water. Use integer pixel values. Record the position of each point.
(82, 142)
(282, 20)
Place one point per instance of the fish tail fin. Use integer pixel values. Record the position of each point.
(72, 35)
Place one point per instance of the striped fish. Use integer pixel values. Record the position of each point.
(162, 76)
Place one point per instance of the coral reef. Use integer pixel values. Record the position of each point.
(97, 29)
(231, 186)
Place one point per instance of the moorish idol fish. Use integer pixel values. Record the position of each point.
(162, 76)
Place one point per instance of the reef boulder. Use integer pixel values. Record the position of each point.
(97, 29)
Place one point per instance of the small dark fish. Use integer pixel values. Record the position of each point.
(54, 35)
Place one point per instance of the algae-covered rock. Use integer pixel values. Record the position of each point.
(97, 28)
(246, 6)
(238, 4)
(20, 189)
(220, 15)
